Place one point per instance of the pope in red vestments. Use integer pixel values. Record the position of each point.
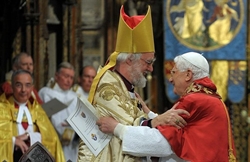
(205, 136)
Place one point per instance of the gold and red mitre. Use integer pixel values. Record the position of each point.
(135, 35)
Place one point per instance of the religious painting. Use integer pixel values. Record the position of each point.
(216, 28)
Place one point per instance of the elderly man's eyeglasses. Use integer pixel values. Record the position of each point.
(149, 62)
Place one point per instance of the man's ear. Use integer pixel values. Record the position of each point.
(189, 75)
(129, 61)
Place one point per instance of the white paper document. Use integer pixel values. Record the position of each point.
(83, 121)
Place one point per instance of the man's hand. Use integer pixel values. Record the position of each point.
(171, 117)
(65, 123)
(143, 104)
(23, 137)
(107, 124)
(20, 144)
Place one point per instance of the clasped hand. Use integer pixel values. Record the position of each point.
(20, 142)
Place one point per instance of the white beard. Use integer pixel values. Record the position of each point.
(138, 79)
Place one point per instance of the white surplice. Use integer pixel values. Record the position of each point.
(79, 91)
(142, 141)
(69, 98)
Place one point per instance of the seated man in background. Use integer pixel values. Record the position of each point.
(61, 89)
(21, 61)
(85, 79)
(24, 122)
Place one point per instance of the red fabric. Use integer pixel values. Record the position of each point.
(205, 138)
(132, 21)
(39, 100)
(206, 82)
(7, 89)
(24, 124)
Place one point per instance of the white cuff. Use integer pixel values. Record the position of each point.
(152, 115)
(13, 143)
(119, 130)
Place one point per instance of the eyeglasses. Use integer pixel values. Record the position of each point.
(149, 62)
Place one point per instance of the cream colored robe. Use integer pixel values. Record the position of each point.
(41, 124)
(113, 99)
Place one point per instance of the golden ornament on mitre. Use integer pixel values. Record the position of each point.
(135, 35)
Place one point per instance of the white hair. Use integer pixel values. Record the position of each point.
(183, 65)
(124, 56)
